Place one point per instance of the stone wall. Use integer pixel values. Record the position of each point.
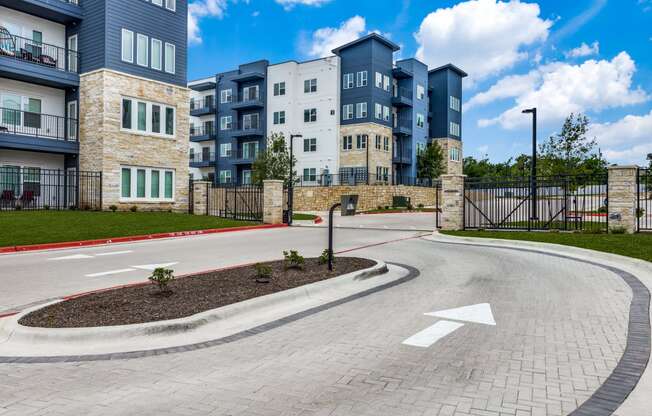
(358, 157)
(623, 199)
(105, 147)
(370, 196)
(273, 202)
(451, 167)
(452, 202)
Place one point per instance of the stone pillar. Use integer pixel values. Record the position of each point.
(199, 194)
(452, 202)
(273, 202)
(623, 198)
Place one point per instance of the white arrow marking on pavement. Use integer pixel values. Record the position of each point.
(114, 253)
(72, 257)
(155, 266)
(432, 334)
(109, 272)
(479, 314)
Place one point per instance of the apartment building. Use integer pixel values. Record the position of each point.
(202, 129)
(362, 116)
(94, 86)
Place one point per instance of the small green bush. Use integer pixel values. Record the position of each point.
(379, 208)
(617, 230)
(263, 273)
(46, 207)
(640, 212)
(386, 206)
(162, 278)
(113, 208)
(18, 207)
(420, 206)
(410, 207)
(323, 258)
(134, 208)
(87, 207)
(293, 260)
(603, 210)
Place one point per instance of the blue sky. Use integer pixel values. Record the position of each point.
(593, 56)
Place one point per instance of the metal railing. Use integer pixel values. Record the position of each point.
(644, 196)
(206, 103)
(202, 157)
(38, 125)
(243, 154)
(246, 98)
(76, 2)
(360, 178)
(399, 122)
(238, 202)
(39, 53)
(41, 189)
(197, 131)
(402, 92)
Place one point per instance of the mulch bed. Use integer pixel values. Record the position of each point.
(190, 295)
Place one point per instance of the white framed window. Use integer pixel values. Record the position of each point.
(142, 50)
(246, 177)
(455, 154)
(347, 143)
(386, 113)
(72, 122)
(139, 183)
(226, 96)
(279, 117)
(378, 111)
(310, 145)
(347, 81)
(421, 120)
(379, 142)
(73, 42)
(250, 121)
(225, 149)
(171, 5)
(454, 129)
(279, 88)
(421, 92)
(226, 122)
(361, 141)
(379, 80)
(386, 144)
(386, 83)
(310, 85)
(250, 93)
(347, 111)
(145, 117)
(361, 79)
(310, 174)
(455, 103)
(361, 110)
(170, 58)
(157, 2)
(310, 115)
(127, 45)
(157, 54)
(225, 176)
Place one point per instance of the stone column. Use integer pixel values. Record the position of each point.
(623, 198)
(452, 202)
(199, 194)
(273, 202)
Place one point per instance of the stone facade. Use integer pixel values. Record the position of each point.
(105, 147)
(623, 198)
(358, 157)
(451, 167)
(273, 202)
(200, 190)
(452, 216)
(369, 196)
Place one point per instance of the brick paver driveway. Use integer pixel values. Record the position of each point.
(561, 328)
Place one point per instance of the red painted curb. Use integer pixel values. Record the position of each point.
(8, 314)
(85, 243)
(318, 220)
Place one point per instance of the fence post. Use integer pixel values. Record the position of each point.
(200, 191)
(273, 202)
(623, 202)
(452, 206)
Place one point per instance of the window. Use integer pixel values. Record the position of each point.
(386, 83)
(171, 4)
(348, 81)
(420, 120)
(32, 180)
(169, 121)
(246, 177)
(279, 117)
(421, 92)
(361, 141)
(142, 116)
(347, 143)
(310, 145)
(455, 103)
(170, 58)
(127, 45)
(347, 111)
(250, 93)
(310, 174)
(250, 150)
(156, 118)
(126, 114)
(385, 113)
(72, 53)
(386, 144)
(361, 110)
(144, 184)
(157, 54)
(455, 154)
(225, 176)
(379, 111)
(310, 115)
(382, 174)
(250, 121)
(142, 50)
(226, 122)
(310, 85)
(379, 80)
(72, 123)
(421, 147)
(32, 117)
(454, 129)
(226, 96)
(158, 2)
(279, 88)
(225, 150)
(361, 79)
(379, 142)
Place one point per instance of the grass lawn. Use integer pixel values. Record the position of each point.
(633, 245)
(37, 227)
(303, 217)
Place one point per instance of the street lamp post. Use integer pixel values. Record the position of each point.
(291, 181)
(533, 165)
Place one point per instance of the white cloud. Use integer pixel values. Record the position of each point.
(584, 50)
(326, 39)
(289, 4)
(200, 9)
(626, 140)
(508, 87)
(559, 89)
(483, 37)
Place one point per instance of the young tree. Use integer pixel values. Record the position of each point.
(274, 162)
(430, 162)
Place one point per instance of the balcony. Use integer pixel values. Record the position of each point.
(37, 62)
(402, 97)
(203, 86)
(247, 129)
(401, 73)
(202, 160)
(249, 76)
(405, 159)
(245, 155)
(39, 132)
(202, 133)
(202, 107)
(248, 102)
(402, 127)
(60, 11)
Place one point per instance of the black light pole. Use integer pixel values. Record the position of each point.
(330, 236)
(291, 184)
(533, 165)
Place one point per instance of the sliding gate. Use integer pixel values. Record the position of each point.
(561, 203)
(644, 208)
(237, 202)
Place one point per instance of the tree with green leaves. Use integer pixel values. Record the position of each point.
(273, 162)
(430, 162)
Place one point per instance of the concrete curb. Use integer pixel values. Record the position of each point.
(20, 342)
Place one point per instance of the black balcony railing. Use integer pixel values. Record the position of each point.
(202, 157)
(402, 92)
(71, 1)
(197, 131)
(248, 97)
(39, 53)
(250, 153)
(38, 125)
(244, 126)
(207, 103)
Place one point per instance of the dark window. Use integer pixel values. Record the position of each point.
(126, 114)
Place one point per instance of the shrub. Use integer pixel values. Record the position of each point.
(293, 260)
(410, 207)
(162, 278)
(420, 206)
(263, 273)
(87, 207)
(617, 230)
(603, 210)
(133, 208)
(640, 212)
(113, 208)
(323, 258)
(18, 207)
(386, 206)
(46, 207)
(379, 208)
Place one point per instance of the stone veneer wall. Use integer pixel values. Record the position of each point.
(358, 158)
(370, 196)
(623, 198)
(452, 167)
(104, 147)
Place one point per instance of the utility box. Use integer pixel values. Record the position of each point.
(400, 201)
(349, 204)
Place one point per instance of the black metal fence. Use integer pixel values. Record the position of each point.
(644, 207)
(561, 203)
(41, 189)
(360, 178)
(38, 125)
(237, 202)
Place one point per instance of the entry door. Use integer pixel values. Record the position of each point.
(72, 120)
(72, 53)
